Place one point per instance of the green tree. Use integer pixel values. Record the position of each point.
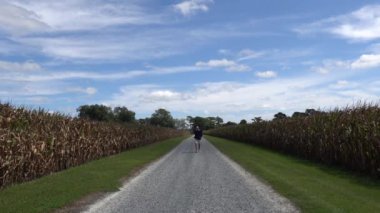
(144, 121)
(199, 121)
(257, 120)
(122, 114)
(95, 112)
(230, 123)
(299, 115)
(219, 121)
(280, 116)
(313, 112)
(163, 118)
(205, 123)
(181, 124)
(243, 121)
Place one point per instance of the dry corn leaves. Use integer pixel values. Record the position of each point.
(34, 143)
(347, 137)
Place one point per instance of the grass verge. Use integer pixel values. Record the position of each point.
(312, 187)
(60, 189)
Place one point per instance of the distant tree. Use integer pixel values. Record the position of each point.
(122, 114)
(243, 121)
(257, 120)
(204, 123)
(210, 122)
(95, 112)
(279, 116)
(201, 122)
(163, 118)
(181, 124)
(219, 121)
(230, 123)
(144, 121)
(312, 112)
(299, 115)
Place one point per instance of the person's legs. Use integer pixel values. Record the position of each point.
(195, 145)
(199, 145)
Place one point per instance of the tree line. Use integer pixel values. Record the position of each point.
(96, 112)
(163, 118)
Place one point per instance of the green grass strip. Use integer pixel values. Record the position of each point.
(59, 189)
(312, 187)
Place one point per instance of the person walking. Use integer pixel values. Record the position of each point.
(197, 136)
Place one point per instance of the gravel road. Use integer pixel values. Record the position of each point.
(184, 181)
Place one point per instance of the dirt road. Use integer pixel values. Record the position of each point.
(184, 181)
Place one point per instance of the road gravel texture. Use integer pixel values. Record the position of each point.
(185, 181)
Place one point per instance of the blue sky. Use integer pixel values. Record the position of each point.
(233, 59)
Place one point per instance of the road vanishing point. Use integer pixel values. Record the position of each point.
(184, 181)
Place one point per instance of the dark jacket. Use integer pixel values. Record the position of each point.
(198, 134)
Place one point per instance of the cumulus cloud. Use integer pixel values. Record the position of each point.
(228, 65)
(27, 66)
(366, 61)
(191, 7)
(224, 98)
(362, 24)
(162, 95)
(266, 74)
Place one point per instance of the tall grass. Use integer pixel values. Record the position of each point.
(34, 143)
(348, 137)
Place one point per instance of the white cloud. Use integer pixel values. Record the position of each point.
(362, 24)
(266, 74)
(238, 68)
(366, 61)
(228, 65)
(224, 52)
(87, 90)
(91, 90)
(49, 76)
(217, 63)
(124, 44)
(44, 15)
(342, 84)
(191, 7)
(27, 66)
(229, 99)
(162, 95)
(332, 65)
(248, 54)
(109, 46)
(321, 70)
(18, 20)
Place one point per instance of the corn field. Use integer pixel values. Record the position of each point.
(348, 138)
(34, 143)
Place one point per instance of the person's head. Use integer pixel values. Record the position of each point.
(197, 128)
